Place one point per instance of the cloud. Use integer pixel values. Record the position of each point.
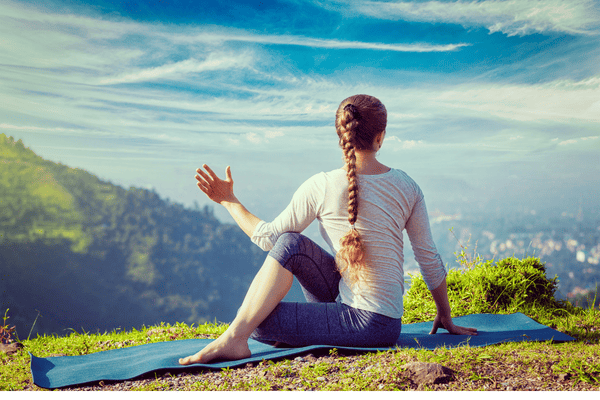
(404, 144)
(556, 101)
(253, 137)
(590, 83)
(213, 62)
(565, 142)
(88, 149)
(273, 134)
(258, 139)
(36, 39)
(511, 17)
(574, 141)
(291, 40)
(36, 128)
(65, 30)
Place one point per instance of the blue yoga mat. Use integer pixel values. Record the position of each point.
(131, 362)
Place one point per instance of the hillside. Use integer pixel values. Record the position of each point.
(78, 252)
(507, 286)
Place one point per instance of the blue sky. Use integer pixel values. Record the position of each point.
(491, 103)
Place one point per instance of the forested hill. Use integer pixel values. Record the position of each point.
(87, 254)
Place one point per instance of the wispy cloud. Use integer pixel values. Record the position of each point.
(566, 142)
(289, 40)
(561, 101)
(588, 139)
(511, 17)
(399, 144)
(177, 70)
(36, 128)
(273, 134)
(256, 138)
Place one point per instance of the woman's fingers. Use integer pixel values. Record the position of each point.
(200, 179)
(460, 330)
(203, 186)
(453, 329)
(212, 177)
(211, 172)
(436, 324)
(204, 175)
(202, 183)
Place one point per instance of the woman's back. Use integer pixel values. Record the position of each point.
(386, 203)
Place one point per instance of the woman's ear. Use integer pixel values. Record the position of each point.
(379, 139)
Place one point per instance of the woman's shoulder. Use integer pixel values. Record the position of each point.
(394, 174)
(400, 174)
(316, 183)
(322, 177)
(334, 173)
(403, 181)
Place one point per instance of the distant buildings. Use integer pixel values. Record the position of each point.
(567, 242)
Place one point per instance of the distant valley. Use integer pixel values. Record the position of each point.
(83, 254)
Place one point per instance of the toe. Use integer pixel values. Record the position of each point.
(186, 361)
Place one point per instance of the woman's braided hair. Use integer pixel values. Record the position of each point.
(359, 119)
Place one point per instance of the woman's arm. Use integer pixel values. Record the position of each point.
(443, 319)
(432, 269)
(221, 191)
(244, 218)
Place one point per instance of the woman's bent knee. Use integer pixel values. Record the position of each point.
(287, 245)
(288, 239)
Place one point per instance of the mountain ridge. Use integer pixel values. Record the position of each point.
(78, 252)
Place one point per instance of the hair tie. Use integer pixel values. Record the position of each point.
(352, 108)
(352, 227)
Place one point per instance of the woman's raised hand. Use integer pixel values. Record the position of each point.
(216, 189)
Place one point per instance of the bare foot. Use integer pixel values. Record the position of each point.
(224, 348)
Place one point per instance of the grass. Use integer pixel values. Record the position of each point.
(510, 285)
(499, 367)
(504, 287)
(14, 368)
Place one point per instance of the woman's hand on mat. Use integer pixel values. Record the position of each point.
(445, 322)
(216, 189)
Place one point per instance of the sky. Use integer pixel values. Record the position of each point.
(492, 104)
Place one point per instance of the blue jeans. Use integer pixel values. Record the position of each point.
(321, 320)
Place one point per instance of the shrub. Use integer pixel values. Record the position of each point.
(507, 286)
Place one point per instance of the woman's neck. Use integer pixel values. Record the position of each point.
(367, 164)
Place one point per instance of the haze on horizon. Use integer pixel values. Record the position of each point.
(491, 104)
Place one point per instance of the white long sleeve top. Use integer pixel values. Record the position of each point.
(388, 204)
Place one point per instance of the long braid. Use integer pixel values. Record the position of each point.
(352, 184)
(350, 257)
(347, 132)
(359, 119)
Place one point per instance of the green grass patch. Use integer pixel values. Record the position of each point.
(504, 287)
(15, 368)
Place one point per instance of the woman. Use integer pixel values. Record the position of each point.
(354, 299)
